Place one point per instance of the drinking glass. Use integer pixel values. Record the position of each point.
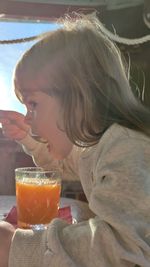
(38, 195)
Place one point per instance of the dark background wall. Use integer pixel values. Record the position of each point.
(130, 24)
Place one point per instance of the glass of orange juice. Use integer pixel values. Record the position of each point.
(38, 195)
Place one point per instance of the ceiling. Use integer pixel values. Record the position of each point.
(121, 15)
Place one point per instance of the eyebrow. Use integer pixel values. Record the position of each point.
(25, 97)
(29, 93)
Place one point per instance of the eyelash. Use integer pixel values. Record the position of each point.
(32, 104)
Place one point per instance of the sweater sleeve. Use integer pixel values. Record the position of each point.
(39, 152)
(61, 245)
(27, 248)
(42, 157)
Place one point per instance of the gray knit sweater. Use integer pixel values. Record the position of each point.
(115, 175)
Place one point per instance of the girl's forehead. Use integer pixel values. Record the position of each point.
(31, 86)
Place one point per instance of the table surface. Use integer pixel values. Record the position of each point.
(79, 209)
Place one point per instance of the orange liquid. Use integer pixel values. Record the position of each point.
(36, 204)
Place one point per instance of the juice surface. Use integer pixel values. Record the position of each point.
(37, 203)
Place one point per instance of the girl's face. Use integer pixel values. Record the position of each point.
(44, 115)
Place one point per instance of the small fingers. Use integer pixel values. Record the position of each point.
(12, 115)
(12, 132)
(4, 121)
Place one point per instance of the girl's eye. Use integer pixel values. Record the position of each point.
(32, 104)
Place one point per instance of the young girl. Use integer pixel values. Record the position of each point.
(78, 98)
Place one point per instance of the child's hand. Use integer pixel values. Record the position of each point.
(6, 234)
(13, 124)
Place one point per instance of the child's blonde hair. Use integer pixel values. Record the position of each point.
(82, 67)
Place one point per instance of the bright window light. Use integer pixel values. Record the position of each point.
(10, 53)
